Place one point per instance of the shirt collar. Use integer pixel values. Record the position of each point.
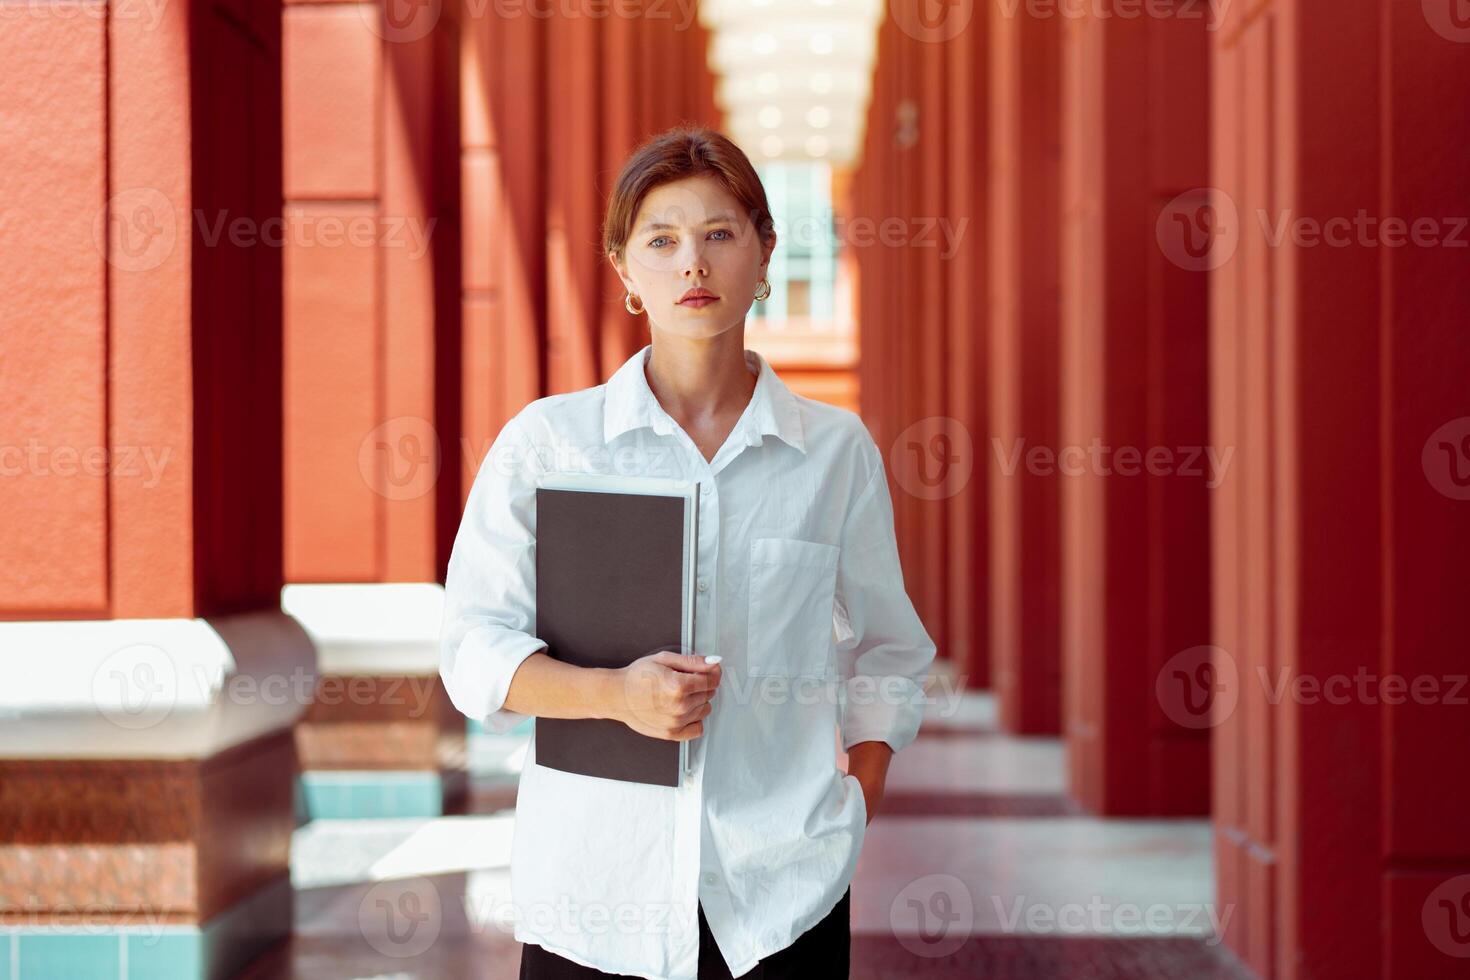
(629, 403)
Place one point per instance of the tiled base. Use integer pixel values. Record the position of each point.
(352, 794)
(220, 948)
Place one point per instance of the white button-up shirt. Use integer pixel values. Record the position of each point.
(799, 590)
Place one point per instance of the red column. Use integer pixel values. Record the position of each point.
(144, 431)
(917, 149)
(913, 199)
(879, 305)
(1338, 369)
(1024, 545)
(372, 378)
(368, 124)
(503, 216)
(964, 256)
(620, 332)
(573, 204)
(1135, 476)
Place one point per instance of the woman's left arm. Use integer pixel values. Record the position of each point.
(868, 761)
(883, 650)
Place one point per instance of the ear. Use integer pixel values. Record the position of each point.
(767, 248)
(621, 268)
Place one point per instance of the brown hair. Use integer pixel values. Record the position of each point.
(673, 155)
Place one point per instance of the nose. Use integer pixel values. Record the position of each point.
(694, 264)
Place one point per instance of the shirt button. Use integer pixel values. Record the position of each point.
(711, 878)
(704, 585)
(705, 489)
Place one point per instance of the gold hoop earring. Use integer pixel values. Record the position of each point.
(628, 304)
(763, 289)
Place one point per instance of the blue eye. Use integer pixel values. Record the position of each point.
(729, 236)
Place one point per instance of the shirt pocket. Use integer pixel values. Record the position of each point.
(793, 588)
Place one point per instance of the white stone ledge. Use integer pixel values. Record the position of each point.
(390, 628)
(150, 688)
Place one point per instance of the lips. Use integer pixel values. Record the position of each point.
(698, 296)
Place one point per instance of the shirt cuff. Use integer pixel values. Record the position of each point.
(881, 709)
(492, 657)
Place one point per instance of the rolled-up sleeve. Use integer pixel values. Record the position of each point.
(490, 586)
(883, 649)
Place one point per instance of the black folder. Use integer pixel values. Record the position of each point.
(614, 561)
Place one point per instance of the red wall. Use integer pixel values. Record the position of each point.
(1339, 540)
(1135, 526)
(138, 358)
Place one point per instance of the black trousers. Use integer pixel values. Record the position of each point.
(820, 952)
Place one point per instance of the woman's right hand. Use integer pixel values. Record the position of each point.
(666, 695)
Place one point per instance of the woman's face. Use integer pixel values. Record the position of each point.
(693, 233)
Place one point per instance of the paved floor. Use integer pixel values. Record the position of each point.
(978, 866)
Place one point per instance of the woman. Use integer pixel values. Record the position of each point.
(742, 869)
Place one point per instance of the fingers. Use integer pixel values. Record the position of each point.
(686, 664)
(698, 683)
(693, 730)
(697, 713)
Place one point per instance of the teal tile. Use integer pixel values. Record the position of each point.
(76, 956)
(175, 956)
(367, 800)
(344, 795)
(422, 799)
(9, 947)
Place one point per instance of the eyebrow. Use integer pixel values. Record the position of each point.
(713, 220)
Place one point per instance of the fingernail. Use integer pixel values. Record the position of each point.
(714, 659)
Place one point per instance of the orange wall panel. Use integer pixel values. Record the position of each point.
(53, 340)
(331, 367)
(503, 222)
(333, 78)
(144, 340)
(373, 316)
